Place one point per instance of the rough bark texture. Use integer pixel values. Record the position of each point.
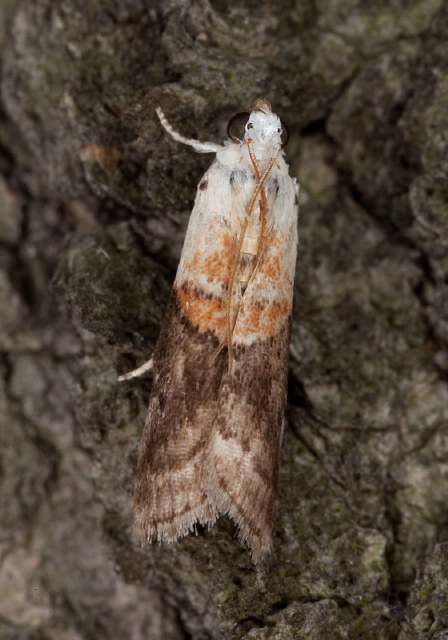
(94, 202)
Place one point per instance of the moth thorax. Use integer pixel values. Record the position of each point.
(264, 153)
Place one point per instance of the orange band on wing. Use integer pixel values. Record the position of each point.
(214, 264)
(202, 309)
(261, 320)
(208, 313)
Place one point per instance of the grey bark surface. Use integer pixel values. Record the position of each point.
(94, 203)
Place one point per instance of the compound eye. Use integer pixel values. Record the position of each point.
(237, 127)
(285, 134)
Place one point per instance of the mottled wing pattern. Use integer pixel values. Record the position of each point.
(171, 492)
(169, 495)
(246, 443)
(245, 450)
(211, 442)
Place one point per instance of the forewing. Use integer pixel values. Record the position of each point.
(171, 493)
(245, 449)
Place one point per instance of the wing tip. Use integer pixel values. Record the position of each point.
(148, 529)
(257, 539)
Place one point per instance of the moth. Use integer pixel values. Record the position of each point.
(212, 438)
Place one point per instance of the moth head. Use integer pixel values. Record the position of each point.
(259, 125)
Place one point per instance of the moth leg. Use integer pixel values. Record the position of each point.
(147, 366)
(200, 147)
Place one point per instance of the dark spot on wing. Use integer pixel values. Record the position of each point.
(237, 178)
(273, 185)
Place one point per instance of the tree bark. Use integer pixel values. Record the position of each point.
(94, 203)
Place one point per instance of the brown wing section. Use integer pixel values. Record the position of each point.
(246, 442)
(211, 442)
(170, 492)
